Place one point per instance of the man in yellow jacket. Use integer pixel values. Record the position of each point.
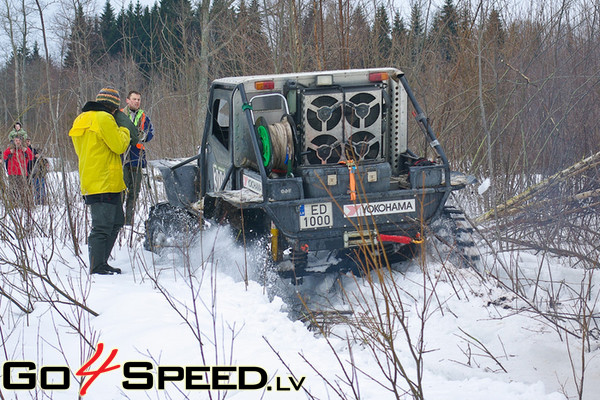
(99, 142)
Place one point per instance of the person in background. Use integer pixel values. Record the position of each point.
(123, 120)
(16, 157)
(31, 163)
(135, 161)
(99, 143)
(17, 130)
(37, 168)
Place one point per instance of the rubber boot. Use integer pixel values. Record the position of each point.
(96, 249)
(119, 220)
(103, 234)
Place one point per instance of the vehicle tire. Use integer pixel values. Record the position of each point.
(170, 226)
(454, 239)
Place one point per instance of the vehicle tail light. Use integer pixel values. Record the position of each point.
(264, 85)
(378, 76)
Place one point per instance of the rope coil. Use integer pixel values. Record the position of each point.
(279, 152)
(282, 140)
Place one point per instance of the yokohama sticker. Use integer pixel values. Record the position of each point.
(253, 184)
(380, 208)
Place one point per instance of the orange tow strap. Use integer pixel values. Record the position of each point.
(351, 170)
(401, 239)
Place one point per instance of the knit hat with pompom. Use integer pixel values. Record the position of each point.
(110, 97)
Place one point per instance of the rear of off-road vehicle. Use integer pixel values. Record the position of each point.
(317, 162)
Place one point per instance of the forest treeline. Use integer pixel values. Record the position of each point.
(508, 93)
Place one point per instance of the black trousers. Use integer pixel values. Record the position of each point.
(107, 220)
(132, 174)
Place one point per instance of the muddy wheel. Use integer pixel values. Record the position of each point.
(170, 226)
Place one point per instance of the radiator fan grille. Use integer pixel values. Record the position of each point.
(322, 115)
(365, 111)
(363, 145)
(339, 126)
(324, 149)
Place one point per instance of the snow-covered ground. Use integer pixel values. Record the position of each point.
(192, 308)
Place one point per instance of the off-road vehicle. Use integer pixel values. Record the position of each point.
(318, 162)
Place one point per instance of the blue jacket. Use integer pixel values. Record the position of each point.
(136, 155)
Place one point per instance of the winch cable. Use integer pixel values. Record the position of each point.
(282, 146)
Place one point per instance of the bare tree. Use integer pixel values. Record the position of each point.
(16, 26)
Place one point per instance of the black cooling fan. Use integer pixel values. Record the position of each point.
(323, 113)
(362, 145)
(324, 149)
(364, 110)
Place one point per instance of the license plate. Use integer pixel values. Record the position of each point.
(317, 215)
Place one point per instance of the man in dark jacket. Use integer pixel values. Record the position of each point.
(135, 161)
